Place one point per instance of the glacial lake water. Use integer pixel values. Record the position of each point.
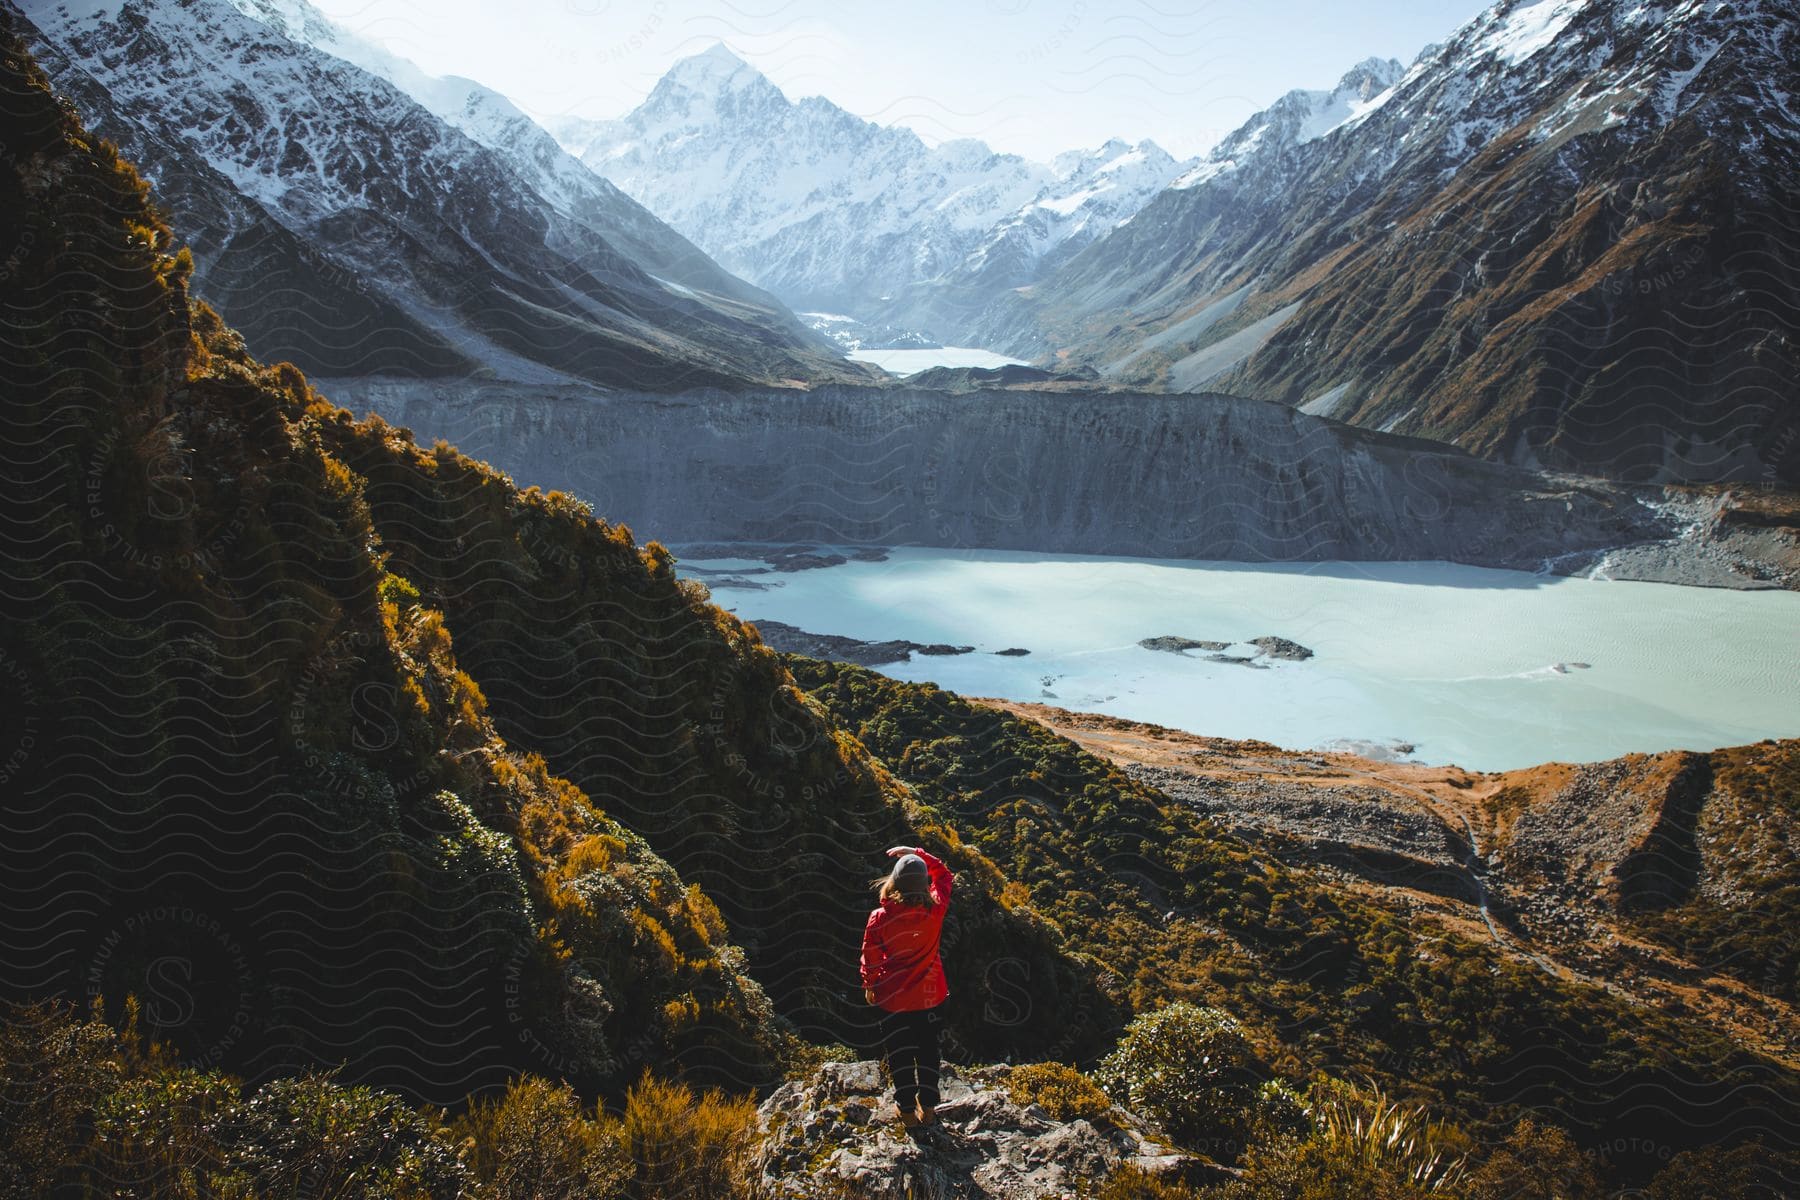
(907, 362)
(1468, 665)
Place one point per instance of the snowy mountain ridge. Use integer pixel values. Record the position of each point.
(832, 212)
(340, 222)
(1499, 246)
(1299, 117)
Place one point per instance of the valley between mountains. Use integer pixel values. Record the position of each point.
(389, 811)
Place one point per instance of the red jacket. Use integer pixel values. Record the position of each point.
(900, 961)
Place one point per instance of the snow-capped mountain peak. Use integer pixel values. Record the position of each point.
(714, 69)
(290, 145)
(1363, 89)
(1501, 245)
(1072, 162)
(835, 213)
(714, 85)
(1299, 117)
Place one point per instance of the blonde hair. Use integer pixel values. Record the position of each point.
(887, 887)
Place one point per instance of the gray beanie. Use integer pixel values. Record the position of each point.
(910, 872)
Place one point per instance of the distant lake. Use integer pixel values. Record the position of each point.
(1478, 667)
(906, 362)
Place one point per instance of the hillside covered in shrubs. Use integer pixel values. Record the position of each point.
(1176, 909)
(255, 749)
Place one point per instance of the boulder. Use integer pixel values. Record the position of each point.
(834, 1133)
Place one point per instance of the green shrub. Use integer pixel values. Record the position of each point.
(309, 1136)
(1751, 1171)
(53, 1071)
(1367, 1131)
(685, 1146)
(1536, 1162)
(1311, 1169)
(536, 1143)
(1189, 1069)
(1279, 1111)
(1131, 1183)
(157, 1134)
(1065, 1093)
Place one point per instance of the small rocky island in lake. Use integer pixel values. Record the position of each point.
(1171, 644)
(1279, 647)
(790, 639)
(1266, 647)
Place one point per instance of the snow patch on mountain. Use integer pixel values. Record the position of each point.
(484, 115)
(1300, 117)
(1528, 29)
(835, 213)
(474, 224)
(1668, 100)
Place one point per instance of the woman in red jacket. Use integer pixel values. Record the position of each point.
(902, 975)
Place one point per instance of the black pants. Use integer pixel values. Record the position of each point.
(909, 1043)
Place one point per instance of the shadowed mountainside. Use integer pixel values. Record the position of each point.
(255, 780)
(277, 669)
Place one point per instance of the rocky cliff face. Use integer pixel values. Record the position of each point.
(1170, 476)
(1562, 237)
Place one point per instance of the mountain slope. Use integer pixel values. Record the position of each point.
(834, 213)
(1126, 473)
(1179, 908)
(1090, 194)
(1563, 236)
(254, 783)
(255, 787)
(280, 155)
(536, 159)
(1665, 875)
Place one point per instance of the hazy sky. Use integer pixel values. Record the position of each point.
(1029, 76)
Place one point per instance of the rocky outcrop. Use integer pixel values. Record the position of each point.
(1158, 476)
(1740, 537)
(1280, 647)
(1171, 643)
(791, 639)
(1610, 837)
(1371, 832)
(834, 1133)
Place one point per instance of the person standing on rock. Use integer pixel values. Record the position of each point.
(903, 976)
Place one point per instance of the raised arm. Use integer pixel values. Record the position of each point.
(942, 877)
